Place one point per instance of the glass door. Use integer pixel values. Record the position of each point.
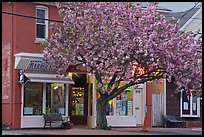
(78, 104)
(77, 101)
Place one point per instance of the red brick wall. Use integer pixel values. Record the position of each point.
(6, 63)
(20, 33)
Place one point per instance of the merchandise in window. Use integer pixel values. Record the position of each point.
(55, 96)
(124, 104)
(33, 99)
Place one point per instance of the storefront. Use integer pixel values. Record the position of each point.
(126, 110)
(75, 96)
(42, 90)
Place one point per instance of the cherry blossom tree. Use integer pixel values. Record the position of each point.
(117, 42)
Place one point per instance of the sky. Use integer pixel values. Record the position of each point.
(177, 6)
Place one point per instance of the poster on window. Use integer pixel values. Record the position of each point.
(118, 107)
(124, 96)
(185, 105)
(28, 110)
(123, 111)
(194, 106)
(61, 111)
(129, 107)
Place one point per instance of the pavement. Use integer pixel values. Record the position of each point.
(114, 131)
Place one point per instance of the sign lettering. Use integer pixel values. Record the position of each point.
(39, 65)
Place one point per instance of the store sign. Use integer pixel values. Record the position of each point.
(39, 65)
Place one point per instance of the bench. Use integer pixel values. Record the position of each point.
(173, 121)
(56, 118)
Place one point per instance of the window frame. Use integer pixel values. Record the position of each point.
(38, 40)
(191, 106)
(24, 101)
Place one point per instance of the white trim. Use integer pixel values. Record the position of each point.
(22, 102)
(198, 106)
(29, 55)
(189, 115)
(67, 100)
(164, 96)
(46, 3)
(191, 19)
(94, 102)
(39, 77)
(191, 107)
(52, 81)
(46, 24)
(44, 98)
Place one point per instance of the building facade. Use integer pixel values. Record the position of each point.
(30, 87)
(184, 104)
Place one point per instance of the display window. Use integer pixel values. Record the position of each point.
(55, 96)
(123, 103)
(33, 99)
(189, 104)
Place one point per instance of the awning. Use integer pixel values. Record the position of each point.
(48, 78)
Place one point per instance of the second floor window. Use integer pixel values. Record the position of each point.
(41, 23)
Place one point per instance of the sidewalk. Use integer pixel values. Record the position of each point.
(114, 131)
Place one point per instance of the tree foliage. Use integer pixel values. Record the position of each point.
(117, 42)
(112, 37)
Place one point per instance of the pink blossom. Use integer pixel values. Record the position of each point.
(109, 36)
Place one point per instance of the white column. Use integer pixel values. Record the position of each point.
(198, 106)
(94, 101)
(191, 104)
(89, 98)
(164, 96)
(44, 98)
(22, 101)
(66, 99)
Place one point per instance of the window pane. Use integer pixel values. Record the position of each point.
(40, 31)
(185, 104)
(124, 103)
(109, 107)
(77, 101)
(55, 96)
(40, 14)
(194, 105)
(33, 98)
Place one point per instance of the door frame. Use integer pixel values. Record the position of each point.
(79, 120)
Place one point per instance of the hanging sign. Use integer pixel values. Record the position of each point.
(39, 65)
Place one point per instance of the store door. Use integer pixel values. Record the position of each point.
(138, 106)
(78, 104)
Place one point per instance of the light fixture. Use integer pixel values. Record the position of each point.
(55, 87)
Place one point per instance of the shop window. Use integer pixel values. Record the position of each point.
(33, 98)
(77, 101)
(41, 24)
(109, 107)
(124, 104)
(55, 96)
(189, 105)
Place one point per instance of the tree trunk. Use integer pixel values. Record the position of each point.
(101, 120)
